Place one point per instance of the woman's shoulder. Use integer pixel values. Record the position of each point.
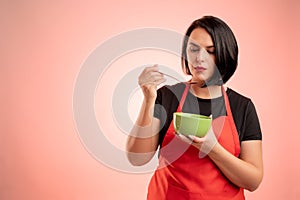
(239, 101)
(236, 96)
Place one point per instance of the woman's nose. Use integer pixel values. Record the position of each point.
(201, 55)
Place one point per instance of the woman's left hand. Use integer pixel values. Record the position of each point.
(204, 144)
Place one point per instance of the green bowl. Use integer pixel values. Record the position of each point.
(191, 124)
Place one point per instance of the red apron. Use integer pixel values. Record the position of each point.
(183, 175)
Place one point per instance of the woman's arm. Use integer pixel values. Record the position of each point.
(144, 136)
(246, 171)
(143, 140)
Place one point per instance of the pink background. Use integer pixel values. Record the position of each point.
(44, 43)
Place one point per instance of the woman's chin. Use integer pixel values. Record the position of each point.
(198, 78)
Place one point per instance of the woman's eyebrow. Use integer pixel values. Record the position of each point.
(194, 44)
(211, 46)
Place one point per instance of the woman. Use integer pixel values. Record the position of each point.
(229, 158)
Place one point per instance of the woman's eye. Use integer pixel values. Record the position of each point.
(194, 49)
(210, 52)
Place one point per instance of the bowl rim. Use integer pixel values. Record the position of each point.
(192, 115)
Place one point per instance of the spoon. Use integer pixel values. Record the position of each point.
(176, 79)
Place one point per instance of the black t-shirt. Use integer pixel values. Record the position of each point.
(242, 108)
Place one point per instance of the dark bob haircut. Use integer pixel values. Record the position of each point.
(226, 48)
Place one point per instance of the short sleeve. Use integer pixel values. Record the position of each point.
(158, 104)
(252, 130)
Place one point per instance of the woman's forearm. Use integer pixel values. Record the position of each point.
(143, 140)
(246, 171)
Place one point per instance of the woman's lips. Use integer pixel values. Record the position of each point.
(200, 68)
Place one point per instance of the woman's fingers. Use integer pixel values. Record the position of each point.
(204, 144)
(210, 141)
(149, 79)
(192, 140)
(196, 139)
(160, 81)
(184, 138)
(151, 75)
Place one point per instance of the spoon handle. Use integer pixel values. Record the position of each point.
(176, 79)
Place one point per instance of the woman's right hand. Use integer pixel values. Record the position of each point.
(149, 79)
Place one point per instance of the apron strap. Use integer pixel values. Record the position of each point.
(232, 124)
(183, 97)
(227, 104)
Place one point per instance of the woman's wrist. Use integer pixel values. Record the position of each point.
(149, 101)
(215, 150)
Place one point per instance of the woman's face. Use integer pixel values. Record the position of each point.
(201, 55)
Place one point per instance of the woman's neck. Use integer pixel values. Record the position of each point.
(209, 92)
